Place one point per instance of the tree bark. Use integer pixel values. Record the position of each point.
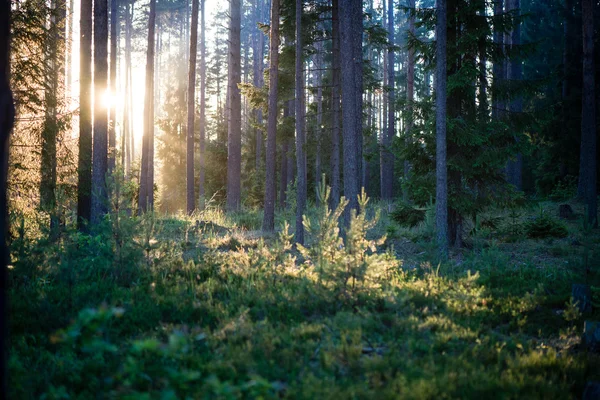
(7, 116)
(300, 129)
(335, 105)
(387, 169)
(499, 62)
(588, 163)
(351, 28)
(100, 139)
(114, 37)
(234, 129)
(441, 189)
(269, 215)
(515, 168)
(84, 164)
(202, 122)
(410, 91)
(191, 109)
(146, 196)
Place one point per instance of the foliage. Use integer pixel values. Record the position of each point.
(544, 226)
(406, 214)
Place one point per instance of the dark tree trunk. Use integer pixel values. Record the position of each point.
(146, 196)
(318, 132)
(7, 115)
(335, 105)
(100, 148)
(300, 133)
(499, 62)
(515, 168)
(587, 165)
(234, 130)
(84, 165)
(270, 176)
(201, 196)
(441, 189)
(114, 38)
(387, 168)
(191, 110)
(257, 54)
(351, 28)
(410, 90)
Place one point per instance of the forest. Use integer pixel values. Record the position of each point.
(303, 199)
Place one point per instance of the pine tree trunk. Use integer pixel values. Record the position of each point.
(100, 140)
(114, 37)
(146, 195)
(234, 129)
(201, 195)
(388, 161)
(318, 132)
(351, 28)
(515, 168)
(410, 91)
(335, 106)
(257, 54)
(300, 128)
(441, 191)
(498, 68)
(270, 176)
(84, 165)
(588, 162)
(191, 110)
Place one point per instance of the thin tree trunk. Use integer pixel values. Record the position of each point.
(191, 111)
(84, 165)
(515, 168)
(388, 166)
(335, 106)
(587, 166)
(410, 91)
(201, 196)
(351, 28)
(146, 196)
(269, 215)
(318, 132)
(499, 62)
(300, 133)
(441, 190)
(112, 139)
(100, 148)
(257, 55)
(234, 130)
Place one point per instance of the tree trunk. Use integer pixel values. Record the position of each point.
(515, 168)
(410, 91)
(191, 110)
(201, 196)
(388, 161)
(7, 115)
(351, 28)
(441, 189)
(257, 54)
(114, 37)
(269, 215)
(84, 164)
(300, 133)
(587, 165)
(335, 105)
(146, 196)
(100, 148)
(318, 132)
(234, 129)
(499, 62)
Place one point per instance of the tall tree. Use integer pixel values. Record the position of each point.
(257, 53)
(191, 109)
(114, 38)
(387, 167)
(273, 111)
(7, 116)
(234, 129)
(335, 104)
(515, 168)
(100, 140)
(84, 166)
(498, 70)
(300, 126)
(202, 121)
(351, 29)
(146, 196)
(587, 164)
(54, 65)
(410, 87)
(441, 173)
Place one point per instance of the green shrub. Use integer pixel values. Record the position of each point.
(544, 226)
(407, 215)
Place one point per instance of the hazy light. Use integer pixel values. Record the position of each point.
(109, 100)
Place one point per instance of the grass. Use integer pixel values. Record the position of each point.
(216, 310)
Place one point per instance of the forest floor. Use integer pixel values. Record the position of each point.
(208, 308)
